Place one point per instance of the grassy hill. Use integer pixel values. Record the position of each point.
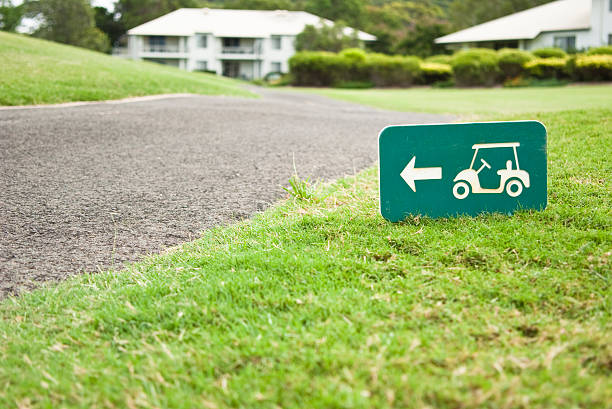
(35, 71)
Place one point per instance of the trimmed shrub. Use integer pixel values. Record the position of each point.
(549, 52)
(432, 72)
(318, 68)
(393, 70)
(440, 59)
(353, 66)
(547, 67)
(605, 50)
(477, 66)
(593, 67)
(511, 62)
(356, 68)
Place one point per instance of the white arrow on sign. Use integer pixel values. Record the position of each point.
(410, 173)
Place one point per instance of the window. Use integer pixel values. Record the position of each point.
(202, 66)
(231, 42)
(276, 42)
(568, 43)
(157, 44)
(610, 37)
(202, 41)
(276, 67)
(610, 6)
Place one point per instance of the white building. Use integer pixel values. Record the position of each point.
(244, 44)
(567, 24)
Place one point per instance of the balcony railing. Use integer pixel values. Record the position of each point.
(239, 50)
(148, 48)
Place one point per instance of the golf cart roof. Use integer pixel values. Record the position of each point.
(496, 145)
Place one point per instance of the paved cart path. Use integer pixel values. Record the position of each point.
(84, 188)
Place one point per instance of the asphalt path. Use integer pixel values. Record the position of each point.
(86, 188)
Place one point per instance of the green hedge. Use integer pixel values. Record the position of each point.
(440, 59)
(432, 72)
(550, 52)
(477, 66)
(605, 50)
(593, 68)
(512, 62)
(544, 68)
(354, 66)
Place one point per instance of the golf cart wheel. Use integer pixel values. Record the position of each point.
(461, 190)
(514, 188)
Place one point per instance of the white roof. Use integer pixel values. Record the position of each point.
(559, 15)
(234, 23)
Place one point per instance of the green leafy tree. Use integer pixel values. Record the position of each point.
(68, 22)
(406, 27)
(136, 12)
(352, 12)
(109, 24)
(326, 38)
(10, 15)
(466, 13)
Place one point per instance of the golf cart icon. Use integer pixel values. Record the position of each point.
(512, 178)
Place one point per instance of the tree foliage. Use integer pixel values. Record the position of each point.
(68, 22)
(326, 38)
(10, 15)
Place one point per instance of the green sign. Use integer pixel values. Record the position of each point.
(462, 169)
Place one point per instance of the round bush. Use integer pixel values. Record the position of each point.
(593, 67)
(393, 70)
(545, 68)
(318, 68)
(477, 66)
(511, 62)
(605, 50)
(550, 52)
(357, 69)
(432, 72)
(440, 59)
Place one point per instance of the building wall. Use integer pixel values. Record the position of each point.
(193, 56)
(583, 39)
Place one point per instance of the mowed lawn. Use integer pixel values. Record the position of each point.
(479, 102)
(35, 71)
(321, 303)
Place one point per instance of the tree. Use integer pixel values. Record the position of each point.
(68, 22)
(406, 27)
(10, 15)
(466, 13)
(136, 12)
(326, 38)
(109, 24)
(352, 12)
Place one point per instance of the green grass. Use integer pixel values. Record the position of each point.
(479, 101)
(41, 72)
(320, 303)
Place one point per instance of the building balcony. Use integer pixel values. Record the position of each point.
(239, 50)
(163, 49)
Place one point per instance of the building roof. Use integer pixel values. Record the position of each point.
(559, 15)
(234, 23)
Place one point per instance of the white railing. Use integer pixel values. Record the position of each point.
(238, 50)
(148, 48)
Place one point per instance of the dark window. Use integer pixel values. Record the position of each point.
(157, 40)
(231, 42)
(276, 67)
(610, 37)
(568, 43)
(203, 41)
(276, 42)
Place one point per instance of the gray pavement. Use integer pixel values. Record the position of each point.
(90, 187)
